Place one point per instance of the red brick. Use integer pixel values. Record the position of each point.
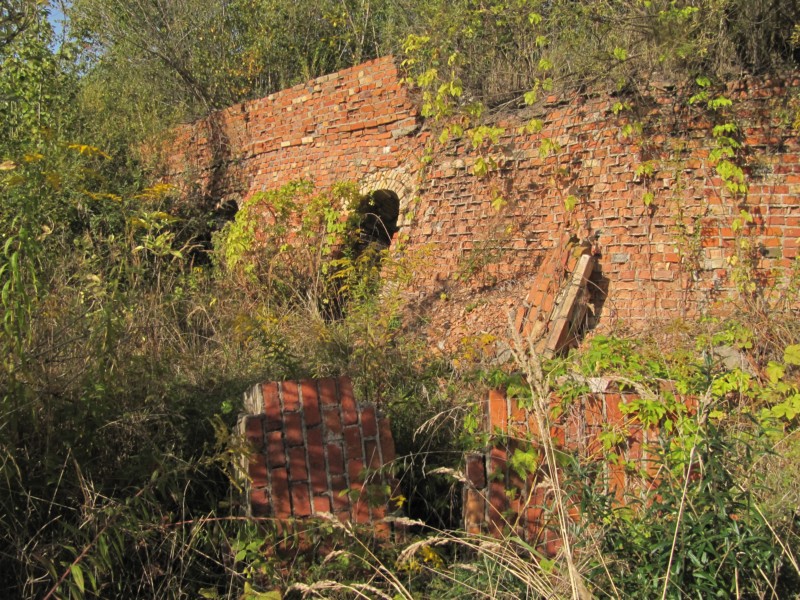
(355, 470)
(293, 429)
(322, 504)
(340, 493)
(361, 512)
(518, 414)
(272, 406)
(343, 515)
(498, 410)
(310, 403)
(281, 505)
(497, 505)
(476, 470)
(259, 503)
(474, 511)
(335, 459)
(333, 423)
(369, 423)
(297, 464)
(257, 469)
(497, 462)
(533, 522)
(348, 402)
(301, 501)
(254, 431)
(617, 480)
(613, 415)
(276, 450)
(327, 392)
(372, 455)
(291, 396)
(352, 442)
(387, 442)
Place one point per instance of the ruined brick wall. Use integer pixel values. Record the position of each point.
(316, 450)
(664, 259)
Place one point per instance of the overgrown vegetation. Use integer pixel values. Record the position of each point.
(125, 346)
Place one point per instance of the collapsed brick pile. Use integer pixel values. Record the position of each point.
(499, 499)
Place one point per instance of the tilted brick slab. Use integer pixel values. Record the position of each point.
(552, 313)
(315, 450)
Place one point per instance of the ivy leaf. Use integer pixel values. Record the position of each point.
(570, 202)
(498, 203)
(480, 168)
(703, 81)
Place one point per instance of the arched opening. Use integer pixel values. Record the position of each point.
(378, 213)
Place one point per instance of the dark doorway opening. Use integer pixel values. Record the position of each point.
(378, 213)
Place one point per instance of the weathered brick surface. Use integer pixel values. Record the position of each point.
(663, 261)
(351, 125)
(500, 500)
(304, 462)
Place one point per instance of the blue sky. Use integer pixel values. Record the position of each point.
(56, 18)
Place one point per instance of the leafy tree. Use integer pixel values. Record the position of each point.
(149, 63)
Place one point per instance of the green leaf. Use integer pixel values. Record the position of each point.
(498, 203)
(620, 54)
(547, 565)
(533, 126)
(480, 168)
(570, 202)
(791, 356)
(703, 81)
(775, 371)
(77, 576)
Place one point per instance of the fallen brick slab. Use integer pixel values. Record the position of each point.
(315, 449)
